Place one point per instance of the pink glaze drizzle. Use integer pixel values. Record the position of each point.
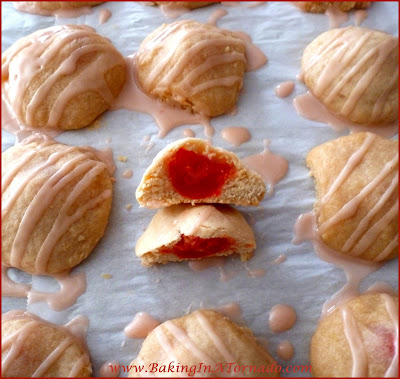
(308, 106)
(393, 311)
(336, 17)
(232, 311)
(9, 288)
(284, 89)
(356, 269)
(203, 264)
(348, 43)
(271, 167)
(83, 163)
(41, 47)
(360, 15)
(16, 341)
(72, 286)
(285, 350)
(354, 338)
(127, 174)
(110, 369)
(189, 133)
(141, 326)
(281, 318)
(236, 135)
(104, 16)
(216, 16)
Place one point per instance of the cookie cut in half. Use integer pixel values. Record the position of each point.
(202, 344)
(33, 347)
(358, 339)
(354, 72)
(357, 195)
(193, 66)
(192, 171)
(182, 232)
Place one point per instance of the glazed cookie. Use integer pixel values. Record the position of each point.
(70, 76)
(182, 232)
(183, 4)
(357, 190)
(354, 73)
(358, 339)
(32, 347)
(56, 200)
(204, 342)
(49, 8)
(322, 6)
(192, 171)
(192, 66)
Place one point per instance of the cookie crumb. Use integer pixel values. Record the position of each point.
(106, 276)
(128, 207)
(122, 158)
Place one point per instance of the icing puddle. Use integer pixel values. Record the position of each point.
(71, 288)
(270, 166)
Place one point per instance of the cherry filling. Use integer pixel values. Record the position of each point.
(196, 247)
(197, 176)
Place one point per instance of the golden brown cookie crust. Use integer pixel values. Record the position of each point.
(192, 66)
(322, 6)
(156, 190)
(330, 350)
(204, 221)
(353, 72)
(40, 342)
(326, 162)
(184, 4)
(239, 341)
(81, 237)
(69, 91)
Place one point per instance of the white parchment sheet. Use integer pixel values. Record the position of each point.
(302, 281)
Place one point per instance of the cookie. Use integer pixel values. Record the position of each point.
(56, 200)
(61, 77)
(192, 171)
(354, 72)
(32, 347)
(182, 232)
(322, 6)
(203, 343)
(193, 66)
(47, 8)
(358, 339)
(183, 4)
(356, 179)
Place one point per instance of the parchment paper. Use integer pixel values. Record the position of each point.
(303, 281)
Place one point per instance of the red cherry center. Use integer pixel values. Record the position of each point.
(196, 247)
(196, 176)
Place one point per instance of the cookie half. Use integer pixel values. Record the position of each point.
(183, 232)
(192, 171)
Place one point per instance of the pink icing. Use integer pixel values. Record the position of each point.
(281, 318)
(236, 135)
(141, 326)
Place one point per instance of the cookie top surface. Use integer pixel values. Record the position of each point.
(61, 77)
(354, 72)
(56, 201)
(203, 337)
(46, 349)
(195, 66)
(357, 195)
(358, 339)
(322, 6)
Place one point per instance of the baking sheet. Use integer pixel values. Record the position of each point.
(302, 281)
